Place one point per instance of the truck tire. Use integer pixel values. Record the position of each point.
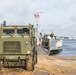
(35, 58)
(30, 64)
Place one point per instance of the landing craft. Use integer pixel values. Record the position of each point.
(53, 44)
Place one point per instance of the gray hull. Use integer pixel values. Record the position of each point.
(55, 51)
(54, 46)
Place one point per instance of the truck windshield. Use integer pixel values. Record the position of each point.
(23, 31)
(8, 31)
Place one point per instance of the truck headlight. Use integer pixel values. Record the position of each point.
(28, 52)
(26, 57)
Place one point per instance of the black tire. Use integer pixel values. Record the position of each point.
(30, 64)
(35, 58)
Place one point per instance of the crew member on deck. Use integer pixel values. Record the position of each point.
(52, 34)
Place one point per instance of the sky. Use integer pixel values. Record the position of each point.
(58, 16)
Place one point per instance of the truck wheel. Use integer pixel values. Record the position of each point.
(35, 58)
(30, 64)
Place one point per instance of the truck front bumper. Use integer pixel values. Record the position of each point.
(14, 57)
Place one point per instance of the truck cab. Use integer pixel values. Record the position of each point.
(18, 46)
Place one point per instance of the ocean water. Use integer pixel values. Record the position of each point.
(69, 48)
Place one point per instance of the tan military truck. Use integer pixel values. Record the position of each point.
(18, 46)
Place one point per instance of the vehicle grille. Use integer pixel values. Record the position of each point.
(13, 46)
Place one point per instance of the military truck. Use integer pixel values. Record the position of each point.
(45, 40)
(18, 46)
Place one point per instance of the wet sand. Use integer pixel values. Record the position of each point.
(47, 65)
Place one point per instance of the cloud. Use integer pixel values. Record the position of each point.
(58, 15)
